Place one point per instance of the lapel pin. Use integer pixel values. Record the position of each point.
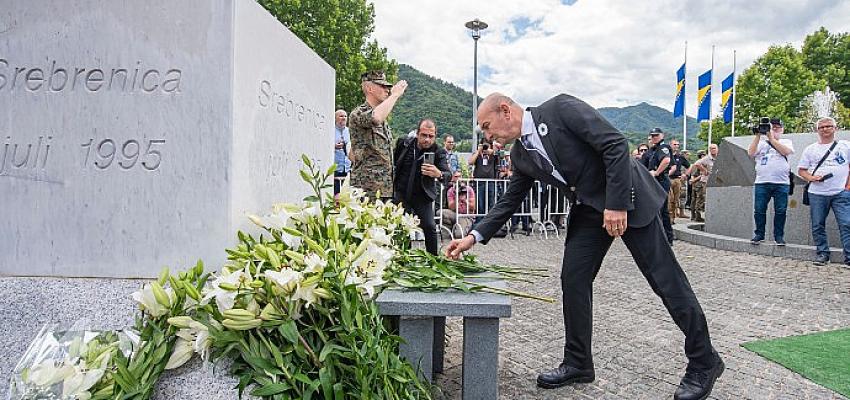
(542, 129)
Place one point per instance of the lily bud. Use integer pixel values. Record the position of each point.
(295, 256)
(160, 295)
(192, 292)
(163, 276)
(228, 286)
(322, 293)
(182, 321)
(311, 280)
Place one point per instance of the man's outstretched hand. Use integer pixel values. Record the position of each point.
(458, 246)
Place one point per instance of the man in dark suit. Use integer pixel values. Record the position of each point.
(566, 143)
(419, 163)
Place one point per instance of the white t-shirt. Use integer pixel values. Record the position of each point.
(838, 163)
(771, 166)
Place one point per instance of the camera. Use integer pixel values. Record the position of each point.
(763, 127)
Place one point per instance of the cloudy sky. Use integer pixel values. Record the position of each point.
(608, 52)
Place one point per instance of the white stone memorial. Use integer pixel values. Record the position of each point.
(136, 135)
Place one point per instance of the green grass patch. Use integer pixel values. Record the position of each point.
(824, 358)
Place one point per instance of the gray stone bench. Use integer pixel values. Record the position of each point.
(421, 321)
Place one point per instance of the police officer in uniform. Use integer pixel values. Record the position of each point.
(657, 161)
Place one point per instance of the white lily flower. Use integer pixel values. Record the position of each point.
(183, 350)
(291, 241)
(306, 293)
(147, 300)
(48, 373)
(372, 262)
(286, 278)
(379, 236)
(202, 344)
(225, 299)
(409, 222)
(314, 263)
(369, 285)
(77, 386)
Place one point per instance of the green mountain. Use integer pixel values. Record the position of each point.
(429, 97)
(451, 107)
(636, 122)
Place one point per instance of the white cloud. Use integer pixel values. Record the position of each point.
(607, 52)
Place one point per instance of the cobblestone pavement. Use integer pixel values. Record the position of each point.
(637, 347)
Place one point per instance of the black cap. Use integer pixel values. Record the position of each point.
(656, 131)
(776, 121)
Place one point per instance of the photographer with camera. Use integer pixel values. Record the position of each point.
(419, 164)
(485, 164)
(825, 165)
(773, 177)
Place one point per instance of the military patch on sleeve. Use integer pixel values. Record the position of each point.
(665, 150)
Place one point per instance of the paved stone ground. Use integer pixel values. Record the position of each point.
(637, 347)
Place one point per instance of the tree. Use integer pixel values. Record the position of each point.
(774, 86)
(828, 56)
(339, 31)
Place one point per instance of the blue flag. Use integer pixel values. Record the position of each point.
(704, 97)
(726, 97)
(679, 106)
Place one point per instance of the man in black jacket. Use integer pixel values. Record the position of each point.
(566, 143)
(419, 163)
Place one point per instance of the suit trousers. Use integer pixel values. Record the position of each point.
(586, 245)
(424, 209)
(664, 213)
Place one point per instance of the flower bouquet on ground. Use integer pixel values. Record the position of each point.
(69, 363)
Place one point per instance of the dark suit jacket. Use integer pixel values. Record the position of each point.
(429, 185)
(591, 155)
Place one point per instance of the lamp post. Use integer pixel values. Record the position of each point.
(476, 26)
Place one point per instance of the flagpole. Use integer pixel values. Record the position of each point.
(684, 109)
(734, 77)
(711, 89)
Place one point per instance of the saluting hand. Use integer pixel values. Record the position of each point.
(399, 88)
(614, 221)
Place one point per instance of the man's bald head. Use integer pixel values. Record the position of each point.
(493, 101)
(500, 118)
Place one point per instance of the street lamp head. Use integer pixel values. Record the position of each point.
(476, 26)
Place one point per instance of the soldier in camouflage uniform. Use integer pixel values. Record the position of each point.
(371, 138)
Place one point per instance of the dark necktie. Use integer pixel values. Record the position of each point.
(541, 162)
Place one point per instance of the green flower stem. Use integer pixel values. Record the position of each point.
(493, 289)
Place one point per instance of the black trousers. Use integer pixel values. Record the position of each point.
(586, 245)
(665, 213)
(424, 209)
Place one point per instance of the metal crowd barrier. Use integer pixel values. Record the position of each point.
(543, 204)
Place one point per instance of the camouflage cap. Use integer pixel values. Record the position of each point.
(377, 76)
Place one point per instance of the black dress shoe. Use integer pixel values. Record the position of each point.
(564, 375)
(697, 385)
